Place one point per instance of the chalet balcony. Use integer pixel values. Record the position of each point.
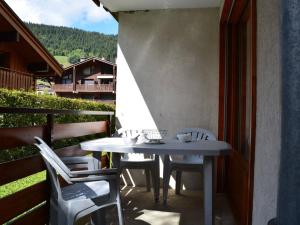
(95, 88)
(12, 79)
(84, 88)
(63, 87)
(30, 204)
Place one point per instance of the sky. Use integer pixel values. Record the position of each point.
(82, 14)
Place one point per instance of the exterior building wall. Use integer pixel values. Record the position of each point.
(168, 73)
(16, 61)
(268, 131)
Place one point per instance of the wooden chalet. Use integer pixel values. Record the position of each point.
(22, 57)
(92, 78)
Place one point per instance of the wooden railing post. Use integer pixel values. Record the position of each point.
(109, 124)
(48, 129)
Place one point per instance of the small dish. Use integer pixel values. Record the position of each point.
(184, 137)
(130, 140)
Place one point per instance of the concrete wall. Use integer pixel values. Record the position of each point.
(268, 137)
(168, 70)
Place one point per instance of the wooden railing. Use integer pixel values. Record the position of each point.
(34, 200)
(95, 87)
(63, 87)
(84, 88)
(12, 79)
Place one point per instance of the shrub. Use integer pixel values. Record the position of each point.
(22, 99)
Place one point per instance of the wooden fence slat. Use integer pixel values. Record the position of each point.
(16, 137)
(38, 215)
(20, 168)
(61, 131)
(53, 111)
(13, 205)
(14, 81)
(1, 78)
(5, 79)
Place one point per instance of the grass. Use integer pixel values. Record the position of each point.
(20, 184)
(62, 60)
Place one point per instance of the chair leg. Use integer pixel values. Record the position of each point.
(120, 212)
(178, 182)
(166, 180)
(148, 184)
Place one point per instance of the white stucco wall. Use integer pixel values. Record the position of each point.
(168, 70)
(268, 112)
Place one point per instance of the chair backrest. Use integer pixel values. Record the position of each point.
(198, 134)
(132, 156)
(129, 133)
(54, 165)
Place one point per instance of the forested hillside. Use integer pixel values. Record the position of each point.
(72, 44)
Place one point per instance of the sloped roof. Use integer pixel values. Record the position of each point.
(29, 37)
(91, 59)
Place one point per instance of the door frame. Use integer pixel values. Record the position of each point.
(231, 12)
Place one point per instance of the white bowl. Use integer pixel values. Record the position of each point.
(130, 140)
(184, 137)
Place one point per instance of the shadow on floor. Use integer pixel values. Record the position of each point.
(185, 209)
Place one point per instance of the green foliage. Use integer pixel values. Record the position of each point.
(18, 99)
(63, 41)
(64, 60)
(75, 55)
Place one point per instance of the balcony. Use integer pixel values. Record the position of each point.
(32, 203)
(84, 88)
(63, 87)
(12, 79)
(95, 88)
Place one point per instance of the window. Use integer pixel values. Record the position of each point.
(106, 81)
(86, 71)
(67, 79)
(4, 60)
(89, 81)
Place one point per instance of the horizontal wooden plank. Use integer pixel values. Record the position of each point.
(73, 150)
(38, 215)
(16, 137)
(21, 201)
(61, 131)
(20, 168)
(54, 111)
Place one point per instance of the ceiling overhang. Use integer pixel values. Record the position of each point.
(135, 5)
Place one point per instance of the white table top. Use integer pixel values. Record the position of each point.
(206, 148)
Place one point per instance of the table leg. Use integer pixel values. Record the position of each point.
(209, 192)
(116, 157)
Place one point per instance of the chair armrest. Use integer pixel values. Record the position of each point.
(94, 178)
(93, 172)
(77, 159)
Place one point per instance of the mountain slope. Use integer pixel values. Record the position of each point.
(75, 43)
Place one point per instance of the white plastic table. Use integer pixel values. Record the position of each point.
(209, 149)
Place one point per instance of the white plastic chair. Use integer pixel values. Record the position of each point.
(88, 190)
(149, 163)
(187, 163)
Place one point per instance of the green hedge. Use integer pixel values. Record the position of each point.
(17, 99)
